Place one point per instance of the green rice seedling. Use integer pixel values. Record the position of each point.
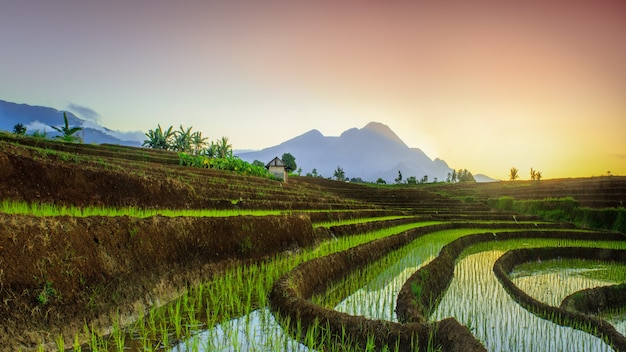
(617, 317)
(96, 343)
(372, 291)
(240, 290)
(475, 296)
(537, 279)
(60, 342)
(165, 337)
(118, 334)
(46, 209)
(77, 347)
(175, 317)
(360, 220)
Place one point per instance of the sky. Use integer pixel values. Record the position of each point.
(484, 85)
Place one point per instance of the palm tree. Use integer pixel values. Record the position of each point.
(224, 149)
(67, 132)
(198, 142)
(339, 174)
(19, 129)
(513, 174)
(159, 139)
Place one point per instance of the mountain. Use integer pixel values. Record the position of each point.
(484, 178)
(369, 153)
(41, 118)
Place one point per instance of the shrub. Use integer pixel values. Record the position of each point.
(229, 163)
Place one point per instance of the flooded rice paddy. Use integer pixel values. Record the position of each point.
(475, 298)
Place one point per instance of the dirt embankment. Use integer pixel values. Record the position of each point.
(56, 273)
(596, 300)
(40, 175)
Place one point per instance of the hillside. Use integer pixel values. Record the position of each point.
(41, 118)
(60, 273)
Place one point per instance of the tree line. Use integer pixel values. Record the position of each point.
(535, 175)
(462, 175)
(197, 151)
(184, 140)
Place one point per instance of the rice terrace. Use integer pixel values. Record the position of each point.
(112, 248)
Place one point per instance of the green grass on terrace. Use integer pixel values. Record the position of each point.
(360, 220)
(46, 209)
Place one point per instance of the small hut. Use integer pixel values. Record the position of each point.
(277, 168)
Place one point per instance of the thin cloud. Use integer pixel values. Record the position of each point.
(84, 112)
(38, 126)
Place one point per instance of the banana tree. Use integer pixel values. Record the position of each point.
(198, 142)
(210, 151)
(182, 139)
(223, 148)
(159, 139)
(513, 174)
(67, 132)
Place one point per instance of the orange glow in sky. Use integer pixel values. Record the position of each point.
(483, 85)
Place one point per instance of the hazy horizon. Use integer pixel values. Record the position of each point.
(485, 85)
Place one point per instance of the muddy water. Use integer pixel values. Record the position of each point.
(257, 331)
(477, 300)
(377, 299)
(474, 297)
(540, 285)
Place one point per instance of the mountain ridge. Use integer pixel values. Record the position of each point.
(371, 152)
(35, 117)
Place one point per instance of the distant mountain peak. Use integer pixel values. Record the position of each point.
(369, 153)
(313, 133)
(383, 130)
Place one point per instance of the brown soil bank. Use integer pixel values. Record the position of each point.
(58, 273)
(41, 175)
(596, 300)
(598, 327)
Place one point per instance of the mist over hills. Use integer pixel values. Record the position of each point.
(41, 118)
(369, 153)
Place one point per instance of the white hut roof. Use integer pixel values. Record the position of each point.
(275, 162)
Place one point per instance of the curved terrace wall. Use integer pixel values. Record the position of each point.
(424, 289)
(595, 300)
(598, 327)
(291, 293)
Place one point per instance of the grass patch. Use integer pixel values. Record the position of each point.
(47, 209)
(361, 220)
